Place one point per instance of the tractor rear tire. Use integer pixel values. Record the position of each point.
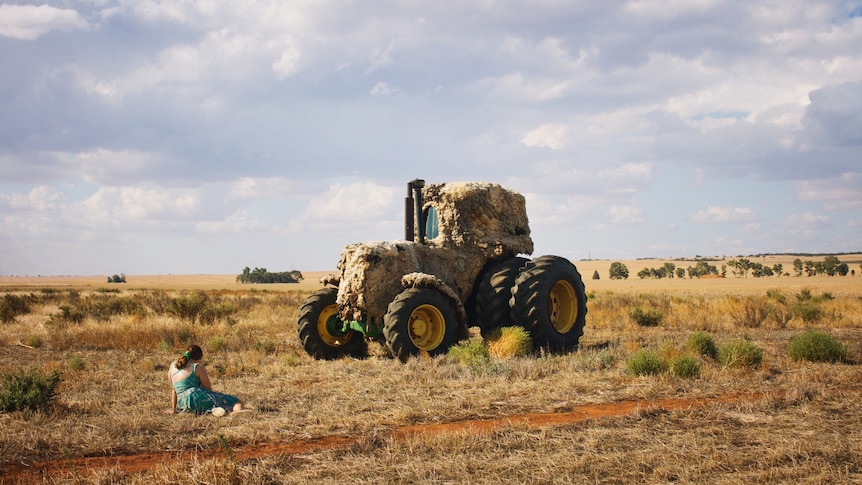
(315, 329)
(494, 292)
(419, 320)
(549, 300)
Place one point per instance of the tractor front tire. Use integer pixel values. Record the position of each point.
(549, 300)
(419, 320)
(494, 292)
(318, 318)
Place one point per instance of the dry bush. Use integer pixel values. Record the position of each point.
(508, 342)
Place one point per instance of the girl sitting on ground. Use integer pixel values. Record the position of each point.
(191, 389)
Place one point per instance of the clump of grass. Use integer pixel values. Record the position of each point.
(776, 295)
(292, 360)
(685, 366)
(645, 363)
(508, 342)
(31, 391)
(740, 353)
(76, 363)
(648, 318)
(702, 343)
(472, 354)
(216, 344)
(265, 346)
(596, 360)
(34, 340)
(816, 346)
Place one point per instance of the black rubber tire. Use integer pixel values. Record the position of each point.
(417, 320)
(494, 294)
(316, 340)
(550, 301)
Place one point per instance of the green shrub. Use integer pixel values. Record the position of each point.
(702, 343)
(76, 362)
(816, 347)
(212, 313)
(740, 353)
(644, 363)
(473, 354)
(28, 391)
(649, 318)
(187, 307)
(69, 313)
(806, 310)
(11, 306)
(685, 366)
(776, 295)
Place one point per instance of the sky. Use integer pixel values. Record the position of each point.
(204, 136)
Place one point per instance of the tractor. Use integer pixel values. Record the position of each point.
(460, 265)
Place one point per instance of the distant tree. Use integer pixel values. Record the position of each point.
(668, 269)
(261, 275)
(830, 265)
(797, 267)
(759, 271)
(702, 268)
(778, 268)
(596, 275)
(120, 278)
(680, 273)
(842, 269)
(619, 271)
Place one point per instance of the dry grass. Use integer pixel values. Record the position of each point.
(115, 388)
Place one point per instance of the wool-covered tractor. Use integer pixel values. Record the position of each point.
(459, 266)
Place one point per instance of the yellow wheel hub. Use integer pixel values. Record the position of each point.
(426, 327)
(326, 321)
(563, 306)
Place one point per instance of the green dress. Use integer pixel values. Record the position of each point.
(194, 398)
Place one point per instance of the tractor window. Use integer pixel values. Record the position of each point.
(432, 225)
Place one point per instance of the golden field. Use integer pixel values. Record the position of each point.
(576, 418)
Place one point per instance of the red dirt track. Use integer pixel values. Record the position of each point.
(34, 471)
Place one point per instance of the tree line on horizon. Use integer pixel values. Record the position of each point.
(261, 275)
(740, 268)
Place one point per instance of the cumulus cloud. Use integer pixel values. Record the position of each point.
(383, 89)
(835, 114)
(236, 223)
(358, 203)
(262, 188)
(838, 193)
(627, 214)
(39, 199)
(29, 22)
(120, 205)
(806, 221)
(725, 214)
(548, 135)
